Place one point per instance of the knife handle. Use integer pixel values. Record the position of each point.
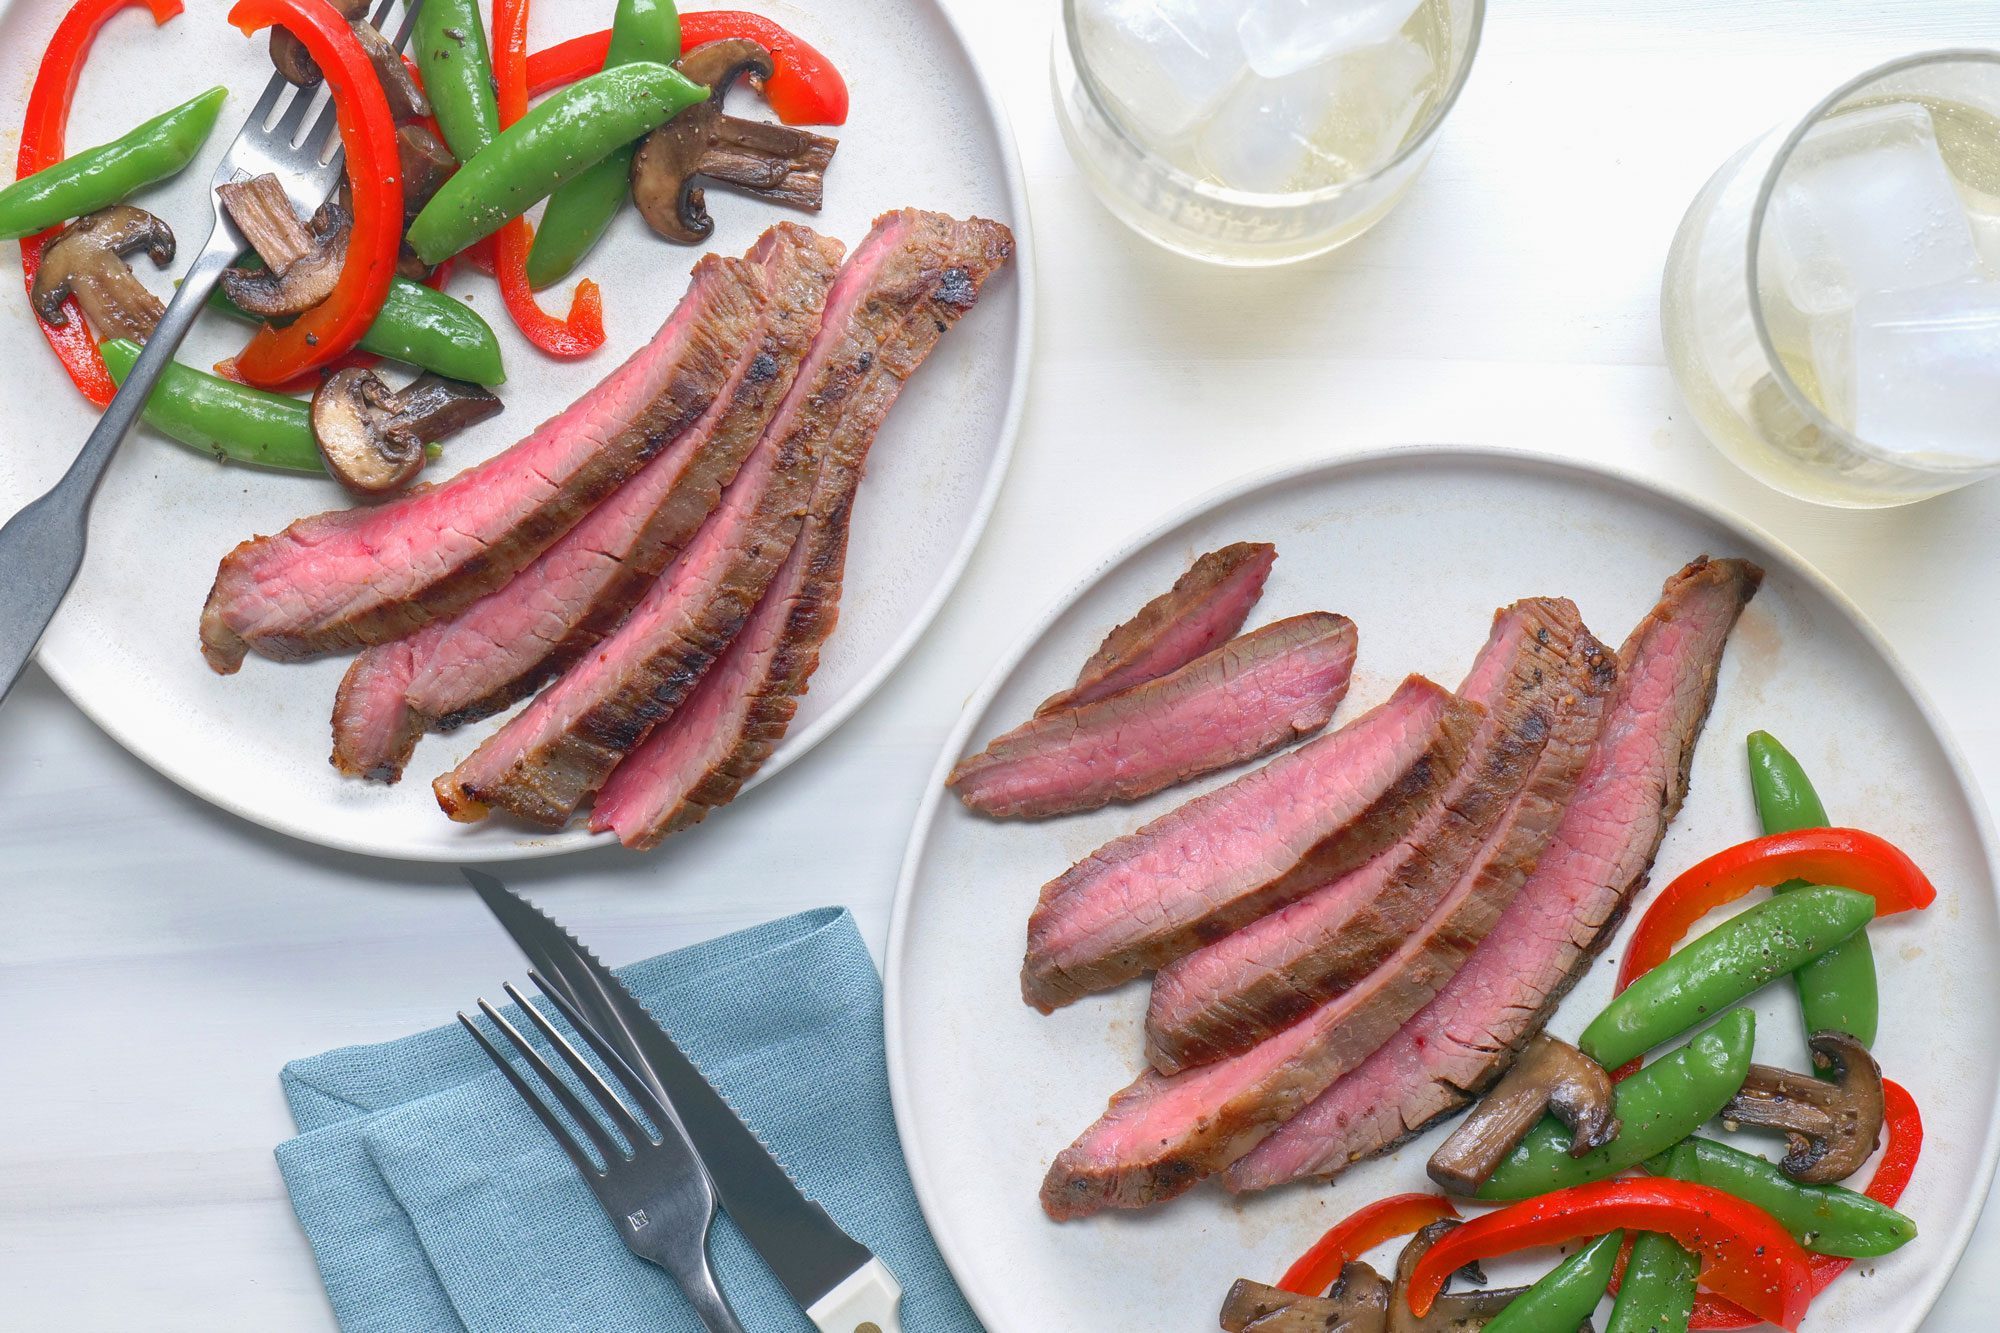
(868, 1300)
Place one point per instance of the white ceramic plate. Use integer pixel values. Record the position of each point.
(924, 132)
(1418, 546)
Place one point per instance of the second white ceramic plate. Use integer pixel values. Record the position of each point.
(924, 133)
(1419, 547)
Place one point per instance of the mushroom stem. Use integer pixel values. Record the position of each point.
(1831, 1127)
(263, 213)
(1452, 1311)
(1358, 1303)
(1550, 1076)
(373, 437)
(87, 260)
(303, 283)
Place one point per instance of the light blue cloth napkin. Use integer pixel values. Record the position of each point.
(435, 1200)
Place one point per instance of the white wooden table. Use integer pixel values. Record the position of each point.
(159, 960)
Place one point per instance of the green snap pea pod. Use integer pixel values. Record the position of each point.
(422, 328)
(451, 54)
(1658, 1293)
(231, 421)
(1566, 1295)
(99, 177)
(1657, 1107)
(546, 149)
(1837, 989)
(580, 211)
(1826, 1219)
(1740, 956)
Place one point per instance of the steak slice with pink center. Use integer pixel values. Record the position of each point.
(1225, 998)
(354, 577)
(1206, 607)
(1232, 854)
(1597, 860)
(506, 645)
(904, 286)
(1255, 694)
(739, 712)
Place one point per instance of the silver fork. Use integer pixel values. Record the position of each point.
(656, 1192)
(41, 547)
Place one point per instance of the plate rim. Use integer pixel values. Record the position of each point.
(929, 1192)
(530, 846)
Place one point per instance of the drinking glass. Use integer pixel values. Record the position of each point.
(1160, 183)
(1852, 383)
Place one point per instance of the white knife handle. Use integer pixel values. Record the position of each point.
(867, 1301)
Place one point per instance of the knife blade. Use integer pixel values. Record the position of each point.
(840, 1284)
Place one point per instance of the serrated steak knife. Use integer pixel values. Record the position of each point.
(841, 1286)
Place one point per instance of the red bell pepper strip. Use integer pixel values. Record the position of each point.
(44, 128)
(1746, 1256)
(1844, 856)
(1345, 1241)
(804, 87)
(1905, 1128)
(322, 334)
(582, 332)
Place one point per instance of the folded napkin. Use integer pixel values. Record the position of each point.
(434, 1199)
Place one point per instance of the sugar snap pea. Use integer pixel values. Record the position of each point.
(424, 328)
(1826, 1219)
(451, 54)
(99, 177)
(580, 211)
(546, 149)
(1837, 990)
(1657, 1107)
(1740, 956)
(1658, 1292)
(217, 416)
(1565, 1296)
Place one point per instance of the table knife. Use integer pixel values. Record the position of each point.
(836, 1280)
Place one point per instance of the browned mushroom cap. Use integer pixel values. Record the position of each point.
(1551, 1075)
(1358, 1303)
(288, 53)
(1452, 1311)
(301, 284)
(87, 260)
(373, 437)
(1830, 1127)
(775, 161)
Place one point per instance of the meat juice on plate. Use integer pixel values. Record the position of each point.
(1875, 287)
(1259, 132)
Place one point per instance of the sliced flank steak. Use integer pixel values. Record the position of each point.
(1202, 611)
(1255, 694)
(1598, 858)
(739, 712)
(1225, 998)
(902, 288)
(510, 642)
(1251, 846)
(354, 577)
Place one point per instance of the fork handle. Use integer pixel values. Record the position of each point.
(692, 1272)
(41, 547)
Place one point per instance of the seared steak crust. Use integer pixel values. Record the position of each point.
(1205, 607)
(360, 576)
(1595, 863)
(1256, 693)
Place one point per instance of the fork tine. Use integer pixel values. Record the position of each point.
(402, 37)
(592, 1081)
(321, 134)
(287, 129)
(553, 1082)
(381, 14)
(266, 100)
(557, 1131)
(635, 1086)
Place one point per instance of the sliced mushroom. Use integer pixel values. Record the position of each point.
(87, 260)
(1358, 1303)
(406, 101)
(262, 211)
(1830, 1127)
(288, 53)
(1452, 1311)
(372, 437)
(427, 165)
(306, 281)
(775, 161)
(1551, 1076)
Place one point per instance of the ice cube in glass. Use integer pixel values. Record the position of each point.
(1282, 37)
(1917, 371)
(1867, 204)
(1338, 120)
(1166, 63)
